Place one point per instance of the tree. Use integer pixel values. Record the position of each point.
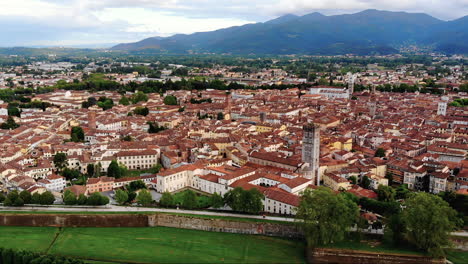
(71, 174)
(325, 216)
(47, 198)
(81, 199)
(389, 177)
(233, 199)
(252, 200)
(136, 185)
(2, 198)
(13, 199)
(14, 111)
(365, 182)
(69, 198)
(127, 138)
(90, 170)
(402, 191)
(139, 97)
(155, 128)
(428, 220)
(97, 169)
(144, 111)
(353, 179)
(60, 160)
(121, 197)
(386, 193)
(124, 101)
(167, 200)
(156, 168)
(36, 198)
(114, 170)
(144, 198)
(380, 152)
(220, 116)
(97, 199)
(105, 103)
(217, 200)
(26, 196)
(77, 134)
(189, 200)
(9, 124)
(170, 100)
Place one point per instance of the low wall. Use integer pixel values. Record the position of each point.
(73, 220)
(222, 225)
(149, 220)
(342, 256)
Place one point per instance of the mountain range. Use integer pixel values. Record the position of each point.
(363, 33)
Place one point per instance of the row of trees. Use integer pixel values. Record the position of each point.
(69, 198)
(10, 256)
(190, 200)
(425, 221)
(240, 200)
(15, 198)
(128, 194)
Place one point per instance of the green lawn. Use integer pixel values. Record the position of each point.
(36, 239)
(458, 257)
(374, 246)
(155, 245)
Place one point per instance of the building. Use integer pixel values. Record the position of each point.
(138, 159)
(442, 108)
(310, 151)
(101, 184)
(53, 183)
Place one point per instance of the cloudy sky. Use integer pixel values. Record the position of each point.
(82, 22)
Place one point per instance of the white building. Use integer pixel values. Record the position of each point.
(138, 159)
(53, 183)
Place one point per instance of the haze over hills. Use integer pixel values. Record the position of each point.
(364, 33)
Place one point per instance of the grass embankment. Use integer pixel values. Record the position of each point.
(458, 257)
(154, 245)
(455, 256)
(374, 246)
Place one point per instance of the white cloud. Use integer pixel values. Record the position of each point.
(104, 21)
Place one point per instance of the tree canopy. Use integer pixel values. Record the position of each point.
(325, 216)
(428, 222)
(170, 100)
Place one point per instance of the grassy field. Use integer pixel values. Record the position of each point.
(27, 238)
(458, 257)
(374, 246)
(154, 245)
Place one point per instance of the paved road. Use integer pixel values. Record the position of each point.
(113, 208)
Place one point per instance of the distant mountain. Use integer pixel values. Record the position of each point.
(363, 33)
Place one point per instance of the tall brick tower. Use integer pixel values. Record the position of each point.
(311, 151)
(92, 120)
(227, 108)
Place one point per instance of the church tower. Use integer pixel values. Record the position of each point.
(92, 120)
(227, 108)
(310, 151)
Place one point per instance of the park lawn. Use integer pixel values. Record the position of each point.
(35, 239)
(374, 246)
(171, 245)
(458, 257)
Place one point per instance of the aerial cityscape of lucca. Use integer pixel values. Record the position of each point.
(291, 140)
